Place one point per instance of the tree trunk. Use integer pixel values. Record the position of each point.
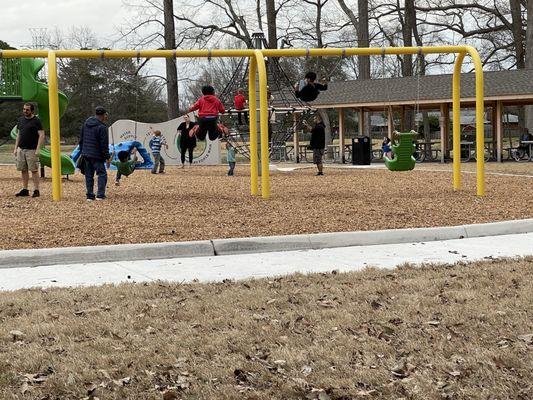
(172, 73)
(258, 11)
(407, 35)
(272, 25)
(517, 33)
(407, 61)
(529, 58)
(363, 39)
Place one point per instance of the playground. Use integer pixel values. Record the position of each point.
(372, 134)
(203, 203)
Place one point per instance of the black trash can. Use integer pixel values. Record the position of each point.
(361, 150)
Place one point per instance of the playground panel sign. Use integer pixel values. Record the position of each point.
(206, 152)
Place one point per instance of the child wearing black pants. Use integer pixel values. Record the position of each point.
(208, 106)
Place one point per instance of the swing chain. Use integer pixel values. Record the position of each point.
(210, 64)
(417, 107)
(387, 108)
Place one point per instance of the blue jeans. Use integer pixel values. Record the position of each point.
(93, 166)
(231, 167)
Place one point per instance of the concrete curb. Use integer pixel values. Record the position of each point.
(206, 248)
(120, 252)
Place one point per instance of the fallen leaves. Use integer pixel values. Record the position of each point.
(16, 335)
(527, 339)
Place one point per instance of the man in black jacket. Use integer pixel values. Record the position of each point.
(317, 142)
(94, 147)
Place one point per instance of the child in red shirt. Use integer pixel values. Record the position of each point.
(240, 103)
(208, 106)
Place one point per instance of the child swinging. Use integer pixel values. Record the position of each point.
(208, 106)
(125, 165)
(308, 89)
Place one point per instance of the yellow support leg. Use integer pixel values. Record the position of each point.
(53, 101)
(480, 125)
(263, 120)
(254, 161)
(456, 112)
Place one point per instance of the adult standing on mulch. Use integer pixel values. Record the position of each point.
(94, 148)
(318, 142)
(187, 143)
(30, 138)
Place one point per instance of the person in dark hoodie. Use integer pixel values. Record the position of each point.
(317, 142)
(208, 106)
(94, 147)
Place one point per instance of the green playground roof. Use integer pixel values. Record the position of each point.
(511, 87)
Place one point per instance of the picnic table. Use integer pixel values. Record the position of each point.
(336, 152)
(530, 145)
(425, 150)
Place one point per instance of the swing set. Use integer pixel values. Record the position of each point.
(257, 67)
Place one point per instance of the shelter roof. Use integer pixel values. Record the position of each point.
(512, 87)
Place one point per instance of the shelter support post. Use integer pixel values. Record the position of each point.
(341, 135)
(444, 130)
(296, 138)
(362, 121)
(390, 122)
(498, 128)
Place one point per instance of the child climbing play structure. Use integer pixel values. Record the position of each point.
(257, 69)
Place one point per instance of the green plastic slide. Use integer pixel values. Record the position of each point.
(45, 158)
(403, 153)
(36, 91)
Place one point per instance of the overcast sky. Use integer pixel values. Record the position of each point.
(102, 16)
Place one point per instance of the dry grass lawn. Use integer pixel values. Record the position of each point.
(203, 203)
(453, 332)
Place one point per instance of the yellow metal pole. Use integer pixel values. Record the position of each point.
(456, 112)
(53, 102)
(480, 125)
(254, 179)
(369, 51)
(24, 53)
(263, 120)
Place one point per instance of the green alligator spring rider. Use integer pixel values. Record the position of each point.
(19, 81)
(403, 152)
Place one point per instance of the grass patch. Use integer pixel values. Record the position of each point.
(456, 332)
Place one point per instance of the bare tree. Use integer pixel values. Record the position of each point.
(225, 19)
(170, 63)
(360, 24)
(259, 14)
(529, 57)
(272, 24)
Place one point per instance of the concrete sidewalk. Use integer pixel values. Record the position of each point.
(253, 245)
(243, 266)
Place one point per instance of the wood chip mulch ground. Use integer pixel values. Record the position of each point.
(203, 203)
